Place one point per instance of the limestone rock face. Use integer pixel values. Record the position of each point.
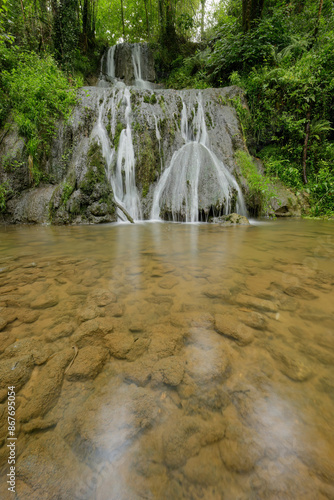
(83, 194)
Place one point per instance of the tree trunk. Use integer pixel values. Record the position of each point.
(147, 21)
(307, 136)
(122, 14)
(202, 18)
(251, 12)
(316, 29)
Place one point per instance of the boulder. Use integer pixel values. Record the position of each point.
(231, 220)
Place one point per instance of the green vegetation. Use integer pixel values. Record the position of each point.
(96, 170)
(280, 52)
(260, 190)
(4, 193)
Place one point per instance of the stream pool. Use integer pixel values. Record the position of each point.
(168, 361)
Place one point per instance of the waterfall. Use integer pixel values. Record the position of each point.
(196, 184)
(196, 179)
(110, 69)
(158, 136)
(122, 178)
(140, 83)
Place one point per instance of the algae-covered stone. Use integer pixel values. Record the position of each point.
(231, 220)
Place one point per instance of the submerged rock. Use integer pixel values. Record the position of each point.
(88, 363)
(231, 220)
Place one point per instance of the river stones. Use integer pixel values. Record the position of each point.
(92, 332)
(119, 344)
(39, 424)
(8, 314)
(230, 327)
(302, 293)
(15, 372)
(181, 441)
(88, 363)
(44, 301)
(3, 324)
(168, 283)
(27, 316)
(29, 346)
(292, 364)
(102, 297)
(205, 468)
(88, 312)
(256, 303)
(231, 220)
(44, 390)
(239, 449)
(123, 412)
(49, 469)
(59, 331)
(205, 366)
(168, 370)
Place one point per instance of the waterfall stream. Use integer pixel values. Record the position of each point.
(194, 168)
(195, 184)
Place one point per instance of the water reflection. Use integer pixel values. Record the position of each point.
(204, 364)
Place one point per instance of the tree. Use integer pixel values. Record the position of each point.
(251, 12)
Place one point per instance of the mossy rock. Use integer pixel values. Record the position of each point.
(96, 170)
(148, 160)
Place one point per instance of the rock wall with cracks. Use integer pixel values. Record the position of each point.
(79, 188)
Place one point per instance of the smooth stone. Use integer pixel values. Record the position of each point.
(256, 303)
(29, 346)
(88, 312)
(39, 424)
(8, 314)
(302, 293)
(60, 331)
(15, 371)
(27, 316)
(92, 332)
(103, 297)
(3, 324)
(229, 326)
(44, 302)
(254, 320)
(115, 310)
(293, 365)
(88, 363)
(168, 283)
(44, 390)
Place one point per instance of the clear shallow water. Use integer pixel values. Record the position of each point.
(204, 364)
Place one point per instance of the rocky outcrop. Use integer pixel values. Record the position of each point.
(79, 189)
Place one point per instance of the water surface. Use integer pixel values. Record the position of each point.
(204, 362)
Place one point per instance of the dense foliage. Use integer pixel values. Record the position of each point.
(280, 52)
(283, 59)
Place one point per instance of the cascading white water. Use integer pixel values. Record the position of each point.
(137, 66)
(195, 175)
(126, 164)
(158, 136)
(122, 178)
(111, 62)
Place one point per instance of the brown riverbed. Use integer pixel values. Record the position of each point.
(204, 363)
